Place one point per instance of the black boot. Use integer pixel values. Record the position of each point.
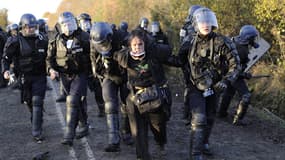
(113, 148)
(61, 98)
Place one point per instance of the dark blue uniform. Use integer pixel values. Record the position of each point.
(73, 65)
(28, 55)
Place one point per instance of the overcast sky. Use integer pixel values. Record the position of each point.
(16, 8)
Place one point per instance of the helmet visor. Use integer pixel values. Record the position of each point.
(68, 25)
(30, 30)
(206, 17)
(103, 47)
(154, 28)
(85, 25)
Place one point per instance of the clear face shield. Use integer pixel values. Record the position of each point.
(154, 28)
(67, 25)
(30, 30)
(144, 25)
(85, 25)
(205, 20)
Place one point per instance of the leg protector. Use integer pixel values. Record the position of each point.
(83, 127)
(196, 142)
(113, 128)
(72, 104)
(242, 108)
(37, 113)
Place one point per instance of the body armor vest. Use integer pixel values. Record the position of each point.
(68, 55)
(207, 64)
(32, 56)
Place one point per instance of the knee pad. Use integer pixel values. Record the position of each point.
(73, 100)
(37, 101)
(198, 119)
(111, 108)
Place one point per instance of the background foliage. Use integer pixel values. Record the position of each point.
(267, 16)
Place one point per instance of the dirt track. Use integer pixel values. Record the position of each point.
(262, 139)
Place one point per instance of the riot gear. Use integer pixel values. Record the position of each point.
(43, 27)
(155, 27)
(12, 29)
(248, 35)
(84, 21)
(101, 36)
(67, 23)
(28, 25)
(204, 16)
(124, 26)
(144, 23)
(191, 11)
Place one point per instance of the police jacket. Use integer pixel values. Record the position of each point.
(70, 55)
(28, 54)
(146, 72)
(3, 38)
(106, 67)
(211, 59)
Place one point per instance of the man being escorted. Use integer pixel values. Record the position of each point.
(68, 56)
(28, 51)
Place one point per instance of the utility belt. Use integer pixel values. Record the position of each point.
(150, 99)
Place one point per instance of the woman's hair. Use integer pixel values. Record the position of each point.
(139, 34)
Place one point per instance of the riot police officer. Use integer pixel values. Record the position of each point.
(84, 22)
(12, 29)
(143, 24)
(123, 31)
(188, 28)
(186, 33)
(28, 51)
(94, 84)
(43, 27)
(104, 42)
(213, 61)
(157, 33)
(3, 38)
(246, 39)
(143, 60)
(68, 55)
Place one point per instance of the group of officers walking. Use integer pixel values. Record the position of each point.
(125, 71)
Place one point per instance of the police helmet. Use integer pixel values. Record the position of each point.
(144, 23)
(191, 11)
(124, 26)
(249, 35)
(28, 25)
(155, 27)
(12, 29)
(204, 16)
(101, 37)
(43, 27)
(84, 21)
(67, 23)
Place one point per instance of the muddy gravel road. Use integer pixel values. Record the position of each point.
(262, 139)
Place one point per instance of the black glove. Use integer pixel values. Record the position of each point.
(222, 85)
(247, 75)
